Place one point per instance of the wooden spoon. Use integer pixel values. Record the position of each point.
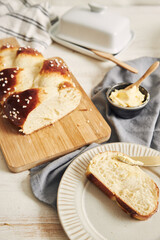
(152, 68)
(115, 60)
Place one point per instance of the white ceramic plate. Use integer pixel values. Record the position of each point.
(76, 47)
(87, 213)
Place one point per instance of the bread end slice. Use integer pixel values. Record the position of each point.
(133, 190)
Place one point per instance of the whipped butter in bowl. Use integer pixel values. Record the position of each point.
(127, 103)
(132, 97)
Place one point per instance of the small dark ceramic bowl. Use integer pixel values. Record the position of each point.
(127, 112)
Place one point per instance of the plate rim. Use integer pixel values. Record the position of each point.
(81, 155)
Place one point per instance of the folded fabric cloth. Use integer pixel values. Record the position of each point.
(144, 129)
(29, 23)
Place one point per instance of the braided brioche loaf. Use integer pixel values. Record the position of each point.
(118, 176)
(35, 92)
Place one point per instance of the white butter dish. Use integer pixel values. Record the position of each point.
(94, 27)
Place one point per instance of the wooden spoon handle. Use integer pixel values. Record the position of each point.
(152, 68)
(115, 60)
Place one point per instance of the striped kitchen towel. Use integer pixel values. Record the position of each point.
(27, 22)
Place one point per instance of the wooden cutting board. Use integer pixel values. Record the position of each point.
(79, 128)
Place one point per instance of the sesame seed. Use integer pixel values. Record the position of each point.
(14, 71)
(18, 100)
(30, 97)
(20, 130)
(28, 102)
(17, 96)
(8, 88)
(4, 106)
(12, 76)
(19, 118)
(1, 73)
(4, 116)
(24, 106)
(5, 91)
(14, 109)
(18, 112)
(5, 78)
(52, 65)
(3, 85)
(6, 81)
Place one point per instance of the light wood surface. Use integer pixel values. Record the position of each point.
(81, 127)
(22, 216)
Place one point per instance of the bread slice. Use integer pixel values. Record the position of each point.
(36, 108)
(119, 177)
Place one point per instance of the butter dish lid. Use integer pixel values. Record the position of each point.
(95, 27)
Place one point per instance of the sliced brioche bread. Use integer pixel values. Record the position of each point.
(134, 191)
(35, 92)
(36, 108)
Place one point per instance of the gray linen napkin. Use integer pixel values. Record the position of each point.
(143, 129)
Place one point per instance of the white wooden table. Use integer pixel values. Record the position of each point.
(22, 216)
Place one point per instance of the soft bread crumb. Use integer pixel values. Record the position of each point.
(134, 190)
